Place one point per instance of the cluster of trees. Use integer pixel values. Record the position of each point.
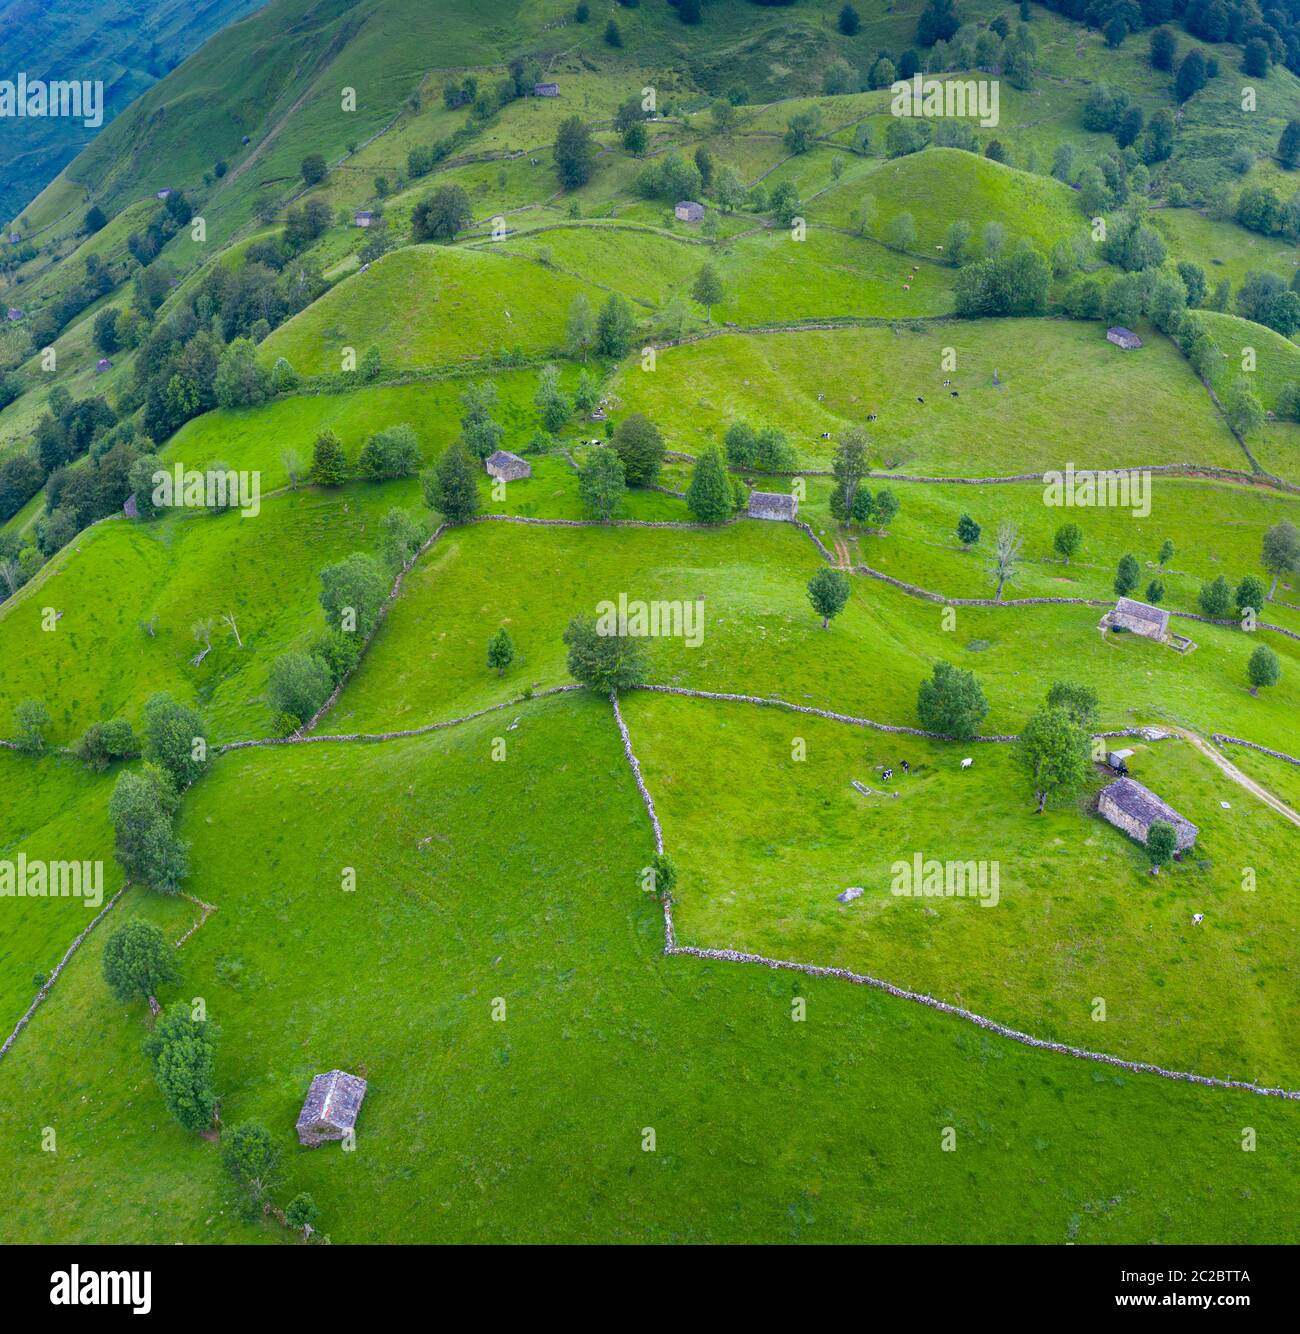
(138, 963)
(1014, 283)
(177, 366)
(1108, 111)
(764, 449)
(610, 332)
(174, 213)
(99, 280)
(67, 431)
(386, 455)
(851, 501)
(1267, 38)
(353, 593)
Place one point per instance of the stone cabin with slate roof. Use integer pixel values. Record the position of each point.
(546, 90)
(330, 1111)
(1139, 617)
(1134, 809)
(507, 467)
(772, 505)
(1123, 338)
(687, 210)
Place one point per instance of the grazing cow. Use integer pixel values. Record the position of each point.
(953, 392)
(871, 416)
(905, 767)
(919, 399)
(887, 775)
(966, 764)
(826, 435)
(1197, 918)
(946, 383)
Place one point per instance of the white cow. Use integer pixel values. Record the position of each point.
(1197, 918)
(966, 764)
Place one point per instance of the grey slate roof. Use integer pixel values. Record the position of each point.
(1123, 337)
(1142, 611)
(506, 465)
(772, 505)
(332, 1104)
(688, 210)
(1141, 804)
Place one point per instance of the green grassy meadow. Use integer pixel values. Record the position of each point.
(546, 915)
(540, 1070)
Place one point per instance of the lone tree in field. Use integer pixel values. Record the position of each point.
(252, 1160)
(297, 685)
(660, 877)
(174, 739)
(951, 702)
(31, 718)
(1166, 552)
(1162, 843)
(828, 591)
(302, 1213)
(968, 531)
(313, 169)
(1068, 540)
(1251, 594)
(1216, 598)
(1281, 551)
(1005, 561)
(501, 651)
(1127, 574)
(451, 485)
(440, 215)
(603, 661)
(1054, 750)
(601, 484)
(574, 153)
(1263, 669)
(707, 290)
(352, 594)
(615, 327)
(883, 508)
(848, 467)
(1080, 702)
(138, 962)
(329, 465)
(709, 495)
(183, 1052)
(641, 448)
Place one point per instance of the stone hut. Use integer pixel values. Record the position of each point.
(546, 90)
(164, 192)
(102, 365)
(772, 505)
(1139, 617)
(1134, 809)
(330, 1111)
(362, 218)
(687, 210)
(14, 313)
(507, 467)
(1123, 338)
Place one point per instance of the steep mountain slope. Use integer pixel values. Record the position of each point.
(127, 44)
